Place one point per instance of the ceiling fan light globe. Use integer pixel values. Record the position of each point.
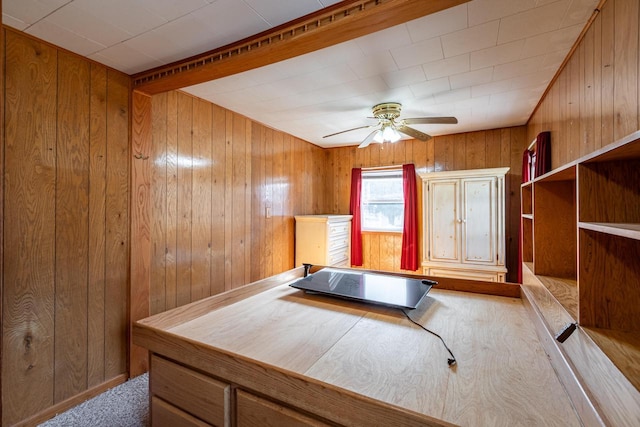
(378, 137)
(390, 134)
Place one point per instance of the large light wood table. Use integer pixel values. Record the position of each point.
(278, 356)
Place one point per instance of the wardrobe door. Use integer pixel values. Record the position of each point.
(479, 220)
(444, 220)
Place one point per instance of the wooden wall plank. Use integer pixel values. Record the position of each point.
(228, 200)
(257, 200)
(475, 147)
(202, 200)
(269, 188)
(606, 17)
(278, 203)
(117, 202)
(171, 257)
(72, 227)
(29, 209)
(218, 208)
(139, 294)
(184, 199)
(158, 208)
(625, 94)
(97, 227)
(239, 189)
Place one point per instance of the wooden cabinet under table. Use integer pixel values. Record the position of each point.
(323, 240)
(269, 354)
(581, 252)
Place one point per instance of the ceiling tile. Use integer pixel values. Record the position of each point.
(372, 65)
(579, 12)
(405, 77)
(431, 87)
(452, 96)
(14, 22)
(136, 20)
(481, 11)
(90, 26)
(559, 40)
(518, 68)
(30, 12)
(490, 88)
(60, 36)
(123, 57)
(418, 53)
(497, 55)
(474, 38)
(471, 78)
(230, 20)
(171, 9)
(447, 67)
(278, 12)
(388, 39)
(546, 18)
(437, 24)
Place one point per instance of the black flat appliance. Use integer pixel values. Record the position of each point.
(393, 291)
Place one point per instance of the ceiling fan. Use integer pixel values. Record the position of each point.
(388, 129)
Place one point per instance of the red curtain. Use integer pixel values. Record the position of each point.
(409, 258)
(543, 153)
(356, 222)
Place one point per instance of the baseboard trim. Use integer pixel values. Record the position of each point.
(71, 402)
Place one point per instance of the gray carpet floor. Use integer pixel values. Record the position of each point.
(126, 405)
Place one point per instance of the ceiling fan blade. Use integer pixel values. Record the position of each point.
(348, 130)
(431, 120)
(413, 133)
(368, 139)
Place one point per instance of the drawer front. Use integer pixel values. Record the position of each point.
(463, 274)
(338, 257)
(338, 242)
(255, 411)
(190, 391)
(164, 414)
(338, 229)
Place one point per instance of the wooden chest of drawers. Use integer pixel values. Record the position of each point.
(323, 240)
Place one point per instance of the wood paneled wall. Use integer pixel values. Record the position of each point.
(475, 150)
(215, 174)
(66, 238)
(596, 97)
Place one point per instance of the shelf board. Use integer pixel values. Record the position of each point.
(564, 290)
(563, 173)
(623, 348)
(527, 216)
(631, 231)
(624, 149)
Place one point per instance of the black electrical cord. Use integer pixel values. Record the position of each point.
(450, 361)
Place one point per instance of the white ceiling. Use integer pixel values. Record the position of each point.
(487, 62)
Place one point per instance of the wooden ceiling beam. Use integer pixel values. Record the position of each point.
(336, 24)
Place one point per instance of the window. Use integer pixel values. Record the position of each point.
(382, 202)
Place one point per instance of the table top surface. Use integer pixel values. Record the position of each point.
(502, 375)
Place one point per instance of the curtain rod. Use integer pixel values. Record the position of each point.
(380, 168)
(533, 143)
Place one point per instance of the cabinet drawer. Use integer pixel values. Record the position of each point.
(255, 411)
(337, 229)
(487, 276)
(338, 242)
(188, 390)
(337, 257)
(164, 414)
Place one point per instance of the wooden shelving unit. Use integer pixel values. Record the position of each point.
(581, 248)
